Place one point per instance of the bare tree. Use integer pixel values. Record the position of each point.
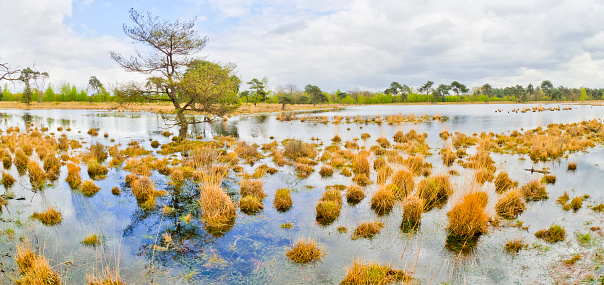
(8, 73)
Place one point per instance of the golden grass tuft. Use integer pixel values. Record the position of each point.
(468, 218)
(145, 192)
(93, 132)
(73, 176)
(217, 208)
(483, 175)
(21, 159)
(35, 269)
(328, 207)
(572, 166)
(367, 230)
(96, 170)
(435, 191)
(354, 194)
(250, 204)
(514, 246)
(413, 207)
(326, 171)
(383, 200)
(555, 233)
(36, 174)
(305, 251)
(91, 240)
(89, 189)
(373, 273)
(503, 182)
(116, 191)
(49, 217)
(549, 179)
(297, 148)
(360, 165)
(383, 174)
(404, 182)
(534, 191)
(154, 144)
(253, 188)
(7, 180)
(283, 200)
(510, 205)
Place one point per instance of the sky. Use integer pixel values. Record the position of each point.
(336, 44)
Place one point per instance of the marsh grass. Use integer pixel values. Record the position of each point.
(326, 171)
(354, 194)
(7, 180)
(383, 200)
(572, 166)
(549, 179)
(252, 188)
(73, 176)
(92, 240)
(404, 182)
(283, 200)
(89, 188)
(413, 207)
(305, 251)
(554, 234)
(49, 217)
(250, 204)
(374, 273)
(218, 210)
(435, 191)
(367, 230)
(534, 191)
(468, 217)
(96, 170)
(515, 245)
(328, 207)
(144, 191)
(510, 205)
(34, 268)
(503, 182)
(36, 174)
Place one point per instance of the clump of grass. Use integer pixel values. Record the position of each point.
(287, 226)
(435, 191)
(7, 180)
(91, 240)
(503, 182)
(510, 205)
(116, 191)
(297, 148)
(367, 230)
(373, 273)
(73, 176)
(35, 269)
(93, 132)
(383, 200)
(365, 136)
(36, 174)
(404, 182)
(549, 179)
(572, 166)
(413, 207)
(534, 191)
(448, 156)
(354, 194)
(575, 204)
(328, 207)
(336, 139)
(89, 189)
(96, 170)
(360, 165)
(468, 218)
(573, 259)
(250, 204)
(305, 251)
(145, 192)
(361, 179)
(49, 217)
(483, 175)
(253, 188)
(98, 151)
(154, 144)
(52, 166)
(218, 210)
(555, 233)
(326, 171)
(514, 246)
(383, 142)
(283, 200)
(383, 174)
(562, 200)
(304, 170)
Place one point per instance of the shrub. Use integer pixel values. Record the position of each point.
(383, 201)
(534, 191)
(250, 204)
(555, 233)
(354, 194)
(468, 218)
(89, 189)
(253, 188)
(305, 251)
(373, 273)
(283, 200)
(367, 230)
(435, 191)
(510, 205)
(404, 182)
(50, 217)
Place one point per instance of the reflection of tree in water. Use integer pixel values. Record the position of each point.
(214, 128)
(178, 239)
(27, 118)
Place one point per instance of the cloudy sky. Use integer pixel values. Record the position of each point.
(336, 44)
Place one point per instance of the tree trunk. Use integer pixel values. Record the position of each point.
(283, 106)
(182, 123)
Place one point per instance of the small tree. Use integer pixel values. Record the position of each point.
(427, 87)
(315, 94)
(458, 88)
(258, 89)
(171, 45)
(27, 76)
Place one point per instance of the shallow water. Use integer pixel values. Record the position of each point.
(252, 252)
